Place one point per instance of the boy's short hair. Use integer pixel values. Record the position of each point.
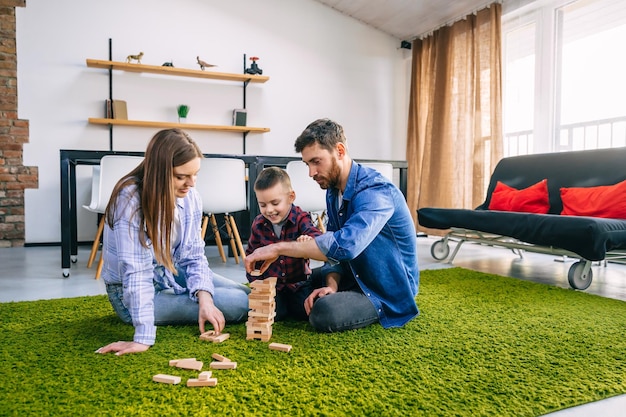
(271, 176)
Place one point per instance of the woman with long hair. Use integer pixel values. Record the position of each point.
(155, 268)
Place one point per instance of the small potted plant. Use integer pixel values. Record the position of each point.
(183, 111)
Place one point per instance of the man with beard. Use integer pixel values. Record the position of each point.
(370, 249)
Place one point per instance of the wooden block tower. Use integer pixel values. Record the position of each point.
(262, 309)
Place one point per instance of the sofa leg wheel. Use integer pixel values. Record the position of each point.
(440, 250)
(578, 279)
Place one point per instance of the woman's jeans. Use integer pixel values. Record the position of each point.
(229, 297)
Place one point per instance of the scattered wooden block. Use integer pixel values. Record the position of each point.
(189, 364)
(220, 338)
(173, 362)
(220, 358)
(223, 365)
(204, 375)
(166, 379)
(213, 337)
(193, 382)
(280, 346)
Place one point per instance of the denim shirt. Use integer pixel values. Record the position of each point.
(373, 236)
(128, 263)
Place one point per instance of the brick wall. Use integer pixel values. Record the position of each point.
(14, 176)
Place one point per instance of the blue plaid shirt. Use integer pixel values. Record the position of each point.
(372, 236)
(128, 263)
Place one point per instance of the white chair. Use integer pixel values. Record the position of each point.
(384, 168)
(222, 184)
(309, 196)
(104, 178)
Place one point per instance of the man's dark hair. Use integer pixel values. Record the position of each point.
(325, 132)
(271, 176)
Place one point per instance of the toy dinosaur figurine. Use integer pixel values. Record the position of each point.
(135, 57)
(203, 64)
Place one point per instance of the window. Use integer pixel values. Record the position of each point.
(563, 77)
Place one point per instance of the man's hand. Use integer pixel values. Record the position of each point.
(208, 312)
(122, 348)
(318, 293)
(332, 286)
(268, 254)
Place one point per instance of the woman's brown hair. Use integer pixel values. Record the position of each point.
(168, 148)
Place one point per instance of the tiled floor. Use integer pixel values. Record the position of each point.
(35, 273)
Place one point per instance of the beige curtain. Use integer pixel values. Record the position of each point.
(454, 128)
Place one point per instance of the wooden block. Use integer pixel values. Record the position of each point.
(166, 379)
(262, 305)
(264, 310)
(204, 375)
(253, 313)
(189, 364)
(173, 362)
(220, 358)
(266, 283)
(223, 365)
(255, 273)
(280, 346)
(207, 335)
(220, 338)
(193, 382)
(215, 338)
(262, 296)
(260, 320)
(258, 326)
(262, 338)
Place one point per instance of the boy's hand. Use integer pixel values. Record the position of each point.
(303, 238)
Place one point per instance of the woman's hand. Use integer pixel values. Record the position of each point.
(208, 312)
(122, 348)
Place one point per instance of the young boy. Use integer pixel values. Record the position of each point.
(281, 220)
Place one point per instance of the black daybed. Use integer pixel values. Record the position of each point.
(587, 238)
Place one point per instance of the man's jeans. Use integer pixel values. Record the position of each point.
(344, 310)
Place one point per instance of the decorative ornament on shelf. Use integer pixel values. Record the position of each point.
(203, 64)
(183, 111)
(168, 64)
(254, 68)
(137, 58)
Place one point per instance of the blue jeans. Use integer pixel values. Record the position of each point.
(230, 297)
(343, 310)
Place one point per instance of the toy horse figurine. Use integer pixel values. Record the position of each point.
(135, 57)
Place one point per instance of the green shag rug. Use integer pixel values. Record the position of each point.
(483, 345)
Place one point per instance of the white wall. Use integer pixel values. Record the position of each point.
(320, 63)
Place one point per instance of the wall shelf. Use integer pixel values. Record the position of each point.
(111, 65)
(165, 125)
(181, 72)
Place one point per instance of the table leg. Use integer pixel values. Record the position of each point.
(66, 232)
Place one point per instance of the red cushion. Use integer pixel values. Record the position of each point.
(608, 201)
(533, 199)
